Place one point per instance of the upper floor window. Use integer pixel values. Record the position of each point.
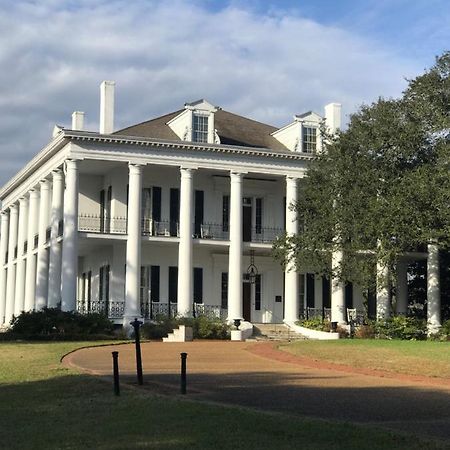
(200, 128)
(309, 139)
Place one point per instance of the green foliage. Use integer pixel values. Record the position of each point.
(400, 327)
(380, 188)
(315, 324)
(52, 323)
(202, 327)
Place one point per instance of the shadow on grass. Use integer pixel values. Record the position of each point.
(80, 411)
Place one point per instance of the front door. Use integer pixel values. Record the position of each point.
(247, 219)
(246, 300)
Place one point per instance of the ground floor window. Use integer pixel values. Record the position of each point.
(198, 285)
(258, 293)
(224, 290)
(173, 284)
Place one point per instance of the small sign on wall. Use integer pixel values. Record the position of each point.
(278, 298)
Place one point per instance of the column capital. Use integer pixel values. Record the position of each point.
(187, 172)
(4, 213)
(236, 176)
(14, 209)
(57, 174)
(33, 193)
(23, 201)
(44, 184)
(71, 164)
(135, 169)
(291, 180)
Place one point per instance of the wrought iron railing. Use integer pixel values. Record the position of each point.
(266, 234)
(162, 228)
(92, 223)
(212, 231)
(210, 311)
(314, 313)
(113, 309)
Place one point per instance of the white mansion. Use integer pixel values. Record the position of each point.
(166, 214)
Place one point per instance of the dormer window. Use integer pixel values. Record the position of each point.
(200, 128)
(309, 144)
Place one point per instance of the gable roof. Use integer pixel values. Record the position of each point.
(232, 129)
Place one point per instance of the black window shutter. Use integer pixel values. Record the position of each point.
(154, 283)
(156, 206)
(198, 285)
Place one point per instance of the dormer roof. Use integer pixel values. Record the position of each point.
(231, 128)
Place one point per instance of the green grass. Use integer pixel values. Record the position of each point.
(426, 358)
(46, 406)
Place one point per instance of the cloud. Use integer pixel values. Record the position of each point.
(267, 66)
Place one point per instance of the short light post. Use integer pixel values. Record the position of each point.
(136, 325)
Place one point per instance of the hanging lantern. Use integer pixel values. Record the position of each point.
(252, 271)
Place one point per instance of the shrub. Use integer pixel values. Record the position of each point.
(202, 327)
(401, 327)
(315, 324)
(365, 332)
(52, 323)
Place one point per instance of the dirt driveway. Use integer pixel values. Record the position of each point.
(246, 374)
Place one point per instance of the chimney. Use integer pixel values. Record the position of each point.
(107, 107)
(77, 120)
(333, 116)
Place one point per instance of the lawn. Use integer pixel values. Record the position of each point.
(46, 406)
(426, 358)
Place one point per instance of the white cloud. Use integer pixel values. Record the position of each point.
(54, 55)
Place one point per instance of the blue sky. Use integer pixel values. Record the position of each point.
(267, 59)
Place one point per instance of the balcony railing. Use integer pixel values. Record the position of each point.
(212, 231)
(113, 310)
(91, 223)
(165, 228)
(266, 235)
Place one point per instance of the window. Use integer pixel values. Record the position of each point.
(258, 215)
(103, 285)
(154, 283)
(200, 128)
(225, 213)
(310, 290)
(198, 285)
(309, 139)
(173, 284)
(258, 293)
(224, 290)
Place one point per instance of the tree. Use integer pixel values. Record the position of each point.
(380, 188)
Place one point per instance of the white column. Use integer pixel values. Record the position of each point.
(70, 240)
(383, 300)
(338, 313)
(54, 270)
(401, 304)
(235, 251)
(185, 283)
(19, 302)
(30, 277)
(42, 257)
(291, 281)
(11, 277)
(132, 278)
(433, 290)
(4, 230)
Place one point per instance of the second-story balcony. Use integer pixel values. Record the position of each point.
(89, 223)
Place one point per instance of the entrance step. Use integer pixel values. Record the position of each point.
(180, 334)
(274, 332)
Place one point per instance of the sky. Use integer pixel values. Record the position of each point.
(264, 59)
